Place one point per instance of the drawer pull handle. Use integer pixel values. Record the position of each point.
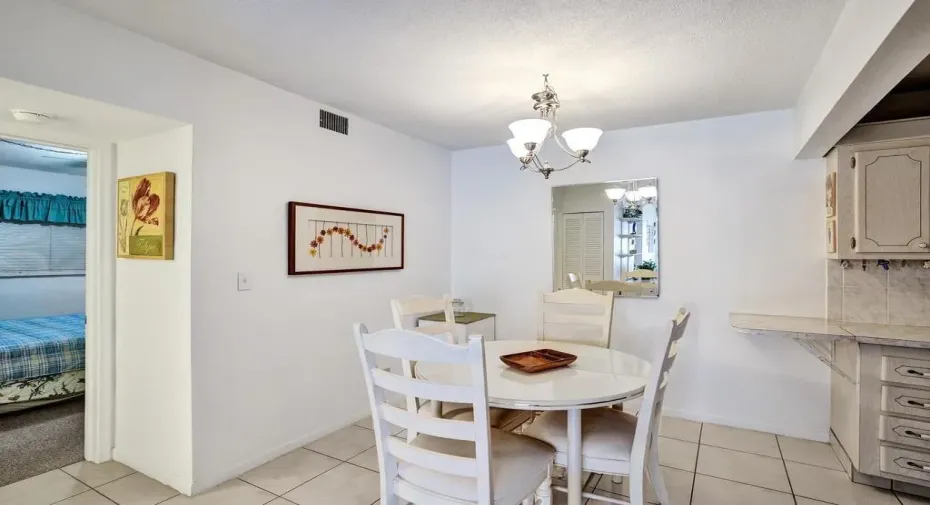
(917, 373)
(912, 433)
(918, 466)
(919, 404)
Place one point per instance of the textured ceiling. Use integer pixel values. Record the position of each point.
(456, 72)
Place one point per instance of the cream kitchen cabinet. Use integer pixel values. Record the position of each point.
(882, 197)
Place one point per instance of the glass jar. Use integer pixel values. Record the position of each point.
(458, 307)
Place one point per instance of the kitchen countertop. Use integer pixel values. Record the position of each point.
(816, 328)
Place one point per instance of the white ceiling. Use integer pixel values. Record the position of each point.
(456, 72)
(81, 118)
(20, 154)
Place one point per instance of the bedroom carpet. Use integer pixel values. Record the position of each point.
(41, 439)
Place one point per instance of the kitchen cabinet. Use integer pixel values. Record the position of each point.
(878, 197)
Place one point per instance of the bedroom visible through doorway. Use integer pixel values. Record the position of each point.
(43, 219)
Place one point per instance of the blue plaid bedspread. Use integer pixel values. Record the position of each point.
(41, 346)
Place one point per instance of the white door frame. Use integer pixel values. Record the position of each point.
(100, 289)
(100, 284)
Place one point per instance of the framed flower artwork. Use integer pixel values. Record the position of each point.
(323, 239)
(831, 194)
(145, 217)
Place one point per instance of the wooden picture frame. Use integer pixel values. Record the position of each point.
(145, 216)
(326, 239)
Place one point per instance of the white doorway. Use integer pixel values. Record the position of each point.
(99, 283)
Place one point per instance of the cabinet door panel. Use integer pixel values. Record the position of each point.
(893, 200)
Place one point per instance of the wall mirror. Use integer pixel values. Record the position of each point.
(606, 237)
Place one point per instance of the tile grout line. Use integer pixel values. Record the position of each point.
(785, 466)
(770, 457)
(91, 490)
(697, 456)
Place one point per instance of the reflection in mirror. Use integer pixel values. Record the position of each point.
(606, 237)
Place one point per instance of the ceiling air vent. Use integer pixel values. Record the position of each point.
(334, 122)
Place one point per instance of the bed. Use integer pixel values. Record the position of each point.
(41, 360)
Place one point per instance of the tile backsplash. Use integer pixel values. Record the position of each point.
(899, 295)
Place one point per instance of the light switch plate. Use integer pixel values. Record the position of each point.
(245, 281)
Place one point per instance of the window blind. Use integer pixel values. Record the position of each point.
(33, 249)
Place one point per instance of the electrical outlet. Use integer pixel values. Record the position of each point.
(245, 281)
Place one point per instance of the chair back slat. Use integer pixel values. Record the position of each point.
(576, 315)
(422, 389)
(575, 333)
(413, 346)
(421, 305)
(435, 461)
(409, 345)
(641, 273)
(435, 426)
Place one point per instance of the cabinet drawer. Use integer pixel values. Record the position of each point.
(906, 370)
(905, 431)
(901, 400)
(906, 462)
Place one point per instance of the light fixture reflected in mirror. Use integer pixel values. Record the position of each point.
(615, 194)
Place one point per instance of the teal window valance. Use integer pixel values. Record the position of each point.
(41, 208)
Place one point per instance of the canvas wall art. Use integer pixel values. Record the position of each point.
(145, 217)
(323, 239)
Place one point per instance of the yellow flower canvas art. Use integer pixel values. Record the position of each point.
(145, 216)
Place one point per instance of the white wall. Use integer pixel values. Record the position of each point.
(39, 181)
(741, 229)
(274, 367)
(41, 296)
(153, 326)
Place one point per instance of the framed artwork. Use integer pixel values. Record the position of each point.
(831, 236)
(323, 239)
(145, 217)
(831, 194)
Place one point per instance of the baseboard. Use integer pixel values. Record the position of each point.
(204, 484)
(823, 436)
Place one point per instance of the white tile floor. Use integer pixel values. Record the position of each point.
(703, 464)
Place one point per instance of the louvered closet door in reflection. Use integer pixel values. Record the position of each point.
(583, 246)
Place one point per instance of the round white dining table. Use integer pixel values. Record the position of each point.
(599, 377)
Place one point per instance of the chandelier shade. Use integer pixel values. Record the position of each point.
(518, 148)
(615, 194)
(530, 131)
(648, 192)
(582, 139)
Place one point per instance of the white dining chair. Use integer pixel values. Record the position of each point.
(576, 315)
(450, 461)
(618, 443)
(409, 309)
(640, 273)
(625, 288)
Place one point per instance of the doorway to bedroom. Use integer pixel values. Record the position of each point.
(43, 219)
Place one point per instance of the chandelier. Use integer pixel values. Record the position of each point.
(633, 196)
(529, 135)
